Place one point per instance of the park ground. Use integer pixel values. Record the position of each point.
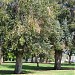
(43, 69)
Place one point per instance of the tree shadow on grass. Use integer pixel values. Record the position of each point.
(25, 67)
(67, 68)
(4, 72)
(28, 67)
(35, 68)
(73, 64)
(45, 68)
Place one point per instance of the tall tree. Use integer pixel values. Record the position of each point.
(3, 18)
(21, 27)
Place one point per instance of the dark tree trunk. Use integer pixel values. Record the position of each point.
(1, 56)
(36, 60)
(41, 60)
(46, 59)
(32, 59)
(18, 66)
(26, 59)
(1, 59)
(37, 64)
(69, 59)
(58, 57)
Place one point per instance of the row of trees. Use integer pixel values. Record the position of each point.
(36, 26)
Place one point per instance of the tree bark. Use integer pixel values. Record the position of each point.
(41, 60)
(1, 59)
(26, 59)
(37, 64)
(18, 66)
(1, 56)
(46, 59)
(32, 59)
(36, 60)
(69, 59)
(58, 57)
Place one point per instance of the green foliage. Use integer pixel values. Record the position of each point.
(22, 41)
(33, 26)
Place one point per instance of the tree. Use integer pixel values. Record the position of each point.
(54, 34)
(58, 44)
(66, 18)
(51, 33)
(3, 18)
(20, 30)
(70, 53)
(1, 56)
(35, 26)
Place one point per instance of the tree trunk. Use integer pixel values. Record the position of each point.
(36, 60)
(69, 59)
(41, 60)
(18, 66)
(58, 57)
(47, 60)
(37, 64)
(32, 59)
(26, 59)
(1, 56)
(1, 59)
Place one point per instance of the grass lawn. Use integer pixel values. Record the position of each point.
(31, 69)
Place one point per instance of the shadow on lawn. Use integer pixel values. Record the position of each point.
(73, 64)
(27, 67)
(36, 68)
(3, 72)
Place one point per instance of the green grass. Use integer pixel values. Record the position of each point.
(44, 69)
